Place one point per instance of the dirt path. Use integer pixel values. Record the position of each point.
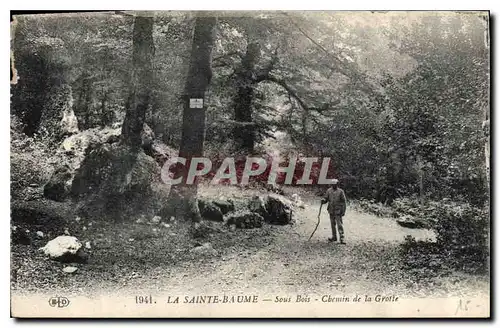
(274, 260)
(291, 264)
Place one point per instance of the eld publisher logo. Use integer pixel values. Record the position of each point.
(59, 301)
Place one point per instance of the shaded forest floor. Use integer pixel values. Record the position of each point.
(137, 257)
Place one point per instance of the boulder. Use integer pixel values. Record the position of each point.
(244, 220)
(69, 269)
(411, 222)
(275, 188)
(279, 210)
(258, 205)
(65, 249)
(80, 141)
(113, 169)
(297, 201)
(156, 219)
(57, 188)
(204, 249)
(75, 146)
(225, 205)
(160, 152)
(210, 211)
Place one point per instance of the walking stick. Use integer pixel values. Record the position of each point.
(317, 224)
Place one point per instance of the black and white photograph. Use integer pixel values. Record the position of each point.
(250, 164)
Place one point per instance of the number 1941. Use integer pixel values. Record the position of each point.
(148, 299)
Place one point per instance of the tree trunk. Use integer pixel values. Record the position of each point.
(420, 168)
(182, 200)
(244, 133)
(305, 139)
(85, 102)
(486, 117)
(141, 79)
(486, 131)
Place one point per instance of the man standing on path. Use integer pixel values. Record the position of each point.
(335, 197)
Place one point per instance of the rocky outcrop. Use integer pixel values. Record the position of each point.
(57, 188)
(279, 210)
(258, 205)
(225, 205)
(210, 211)
(113, 170)
(244, 220)
(411, 222)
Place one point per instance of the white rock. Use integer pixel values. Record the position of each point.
(205, 249)
(70, 269)
(77, 219)
(156, 219)
(39, 234)
(166, 225)
(66, 231)
(61, 245)
(87, 245)
(131, 239)
(84, 228)
(172, 219)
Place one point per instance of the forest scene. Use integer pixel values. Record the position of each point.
(398, 101)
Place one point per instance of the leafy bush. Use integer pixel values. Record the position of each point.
(462, 236)
(31, 162)
(463, 231)
(375, 208)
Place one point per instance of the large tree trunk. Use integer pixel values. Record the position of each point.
(486, 130)
(141, 79)
(42, 93)
(84, 102)
(114, 180)
(420, 172)
(244, 133)
(182, 200)
(486, 117)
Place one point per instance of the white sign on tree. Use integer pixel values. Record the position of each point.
(196, 103)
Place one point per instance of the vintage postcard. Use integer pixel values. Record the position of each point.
(270, 164)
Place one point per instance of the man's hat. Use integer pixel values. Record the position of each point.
(335, 181)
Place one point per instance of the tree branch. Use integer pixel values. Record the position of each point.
(294, 95)
(227, 55)
(343, 67)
